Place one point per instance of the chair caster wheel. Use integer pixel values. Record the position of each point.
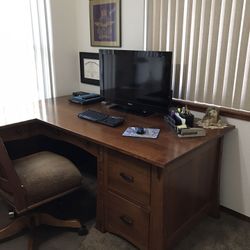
(82, 231)
(11, 214)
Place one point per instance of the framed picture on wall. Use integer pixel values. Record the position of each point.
(105, 19)
(89, 68)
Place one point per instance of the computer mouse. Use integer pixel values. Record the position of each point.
(140, 131)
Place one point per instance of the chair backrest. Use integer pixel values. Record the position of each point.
(11, 188)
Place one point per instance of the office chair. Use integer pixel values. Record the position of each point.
(31, 181)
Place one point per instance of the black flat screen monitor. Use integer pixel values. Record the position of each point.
(136, 80)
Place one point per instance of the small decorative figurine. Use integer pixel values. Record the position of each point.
(211, 119)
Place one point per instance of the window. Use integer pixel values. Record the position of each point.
(211, 45)
(24, 61)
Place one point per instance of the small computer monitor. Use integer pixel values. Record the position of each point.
(136, 80)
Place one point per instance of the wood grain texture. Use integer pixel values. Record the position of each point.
(129, 177)
(127, 220)
(189, 185)
(60, 113)
(150, 191)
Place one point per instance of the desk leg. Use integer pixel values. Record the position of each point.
(100, 215)
(156, 230)
(215, 204)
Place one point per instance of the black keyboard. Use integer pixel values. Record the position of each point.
(102, 118)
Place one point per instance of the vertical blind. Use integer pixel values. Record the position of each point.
(211, 48)
(40, 23)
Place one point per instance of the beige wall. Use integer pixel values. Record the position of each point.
(235, 174)
(71, 34)
(64, 50)
(132, 29)
(235, 167)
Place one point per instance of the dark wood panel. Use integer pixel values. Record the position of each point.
(66, 135)
(157, 239)
(100, 209)
(159, 152)
(128, 176)
(127, 220)
(167, 147)
(189, 189)
(20, 130)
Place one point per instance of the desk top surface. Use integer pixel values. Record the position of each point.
(61, 113)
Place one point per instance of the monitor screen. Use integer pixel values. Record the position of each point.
(140, 80)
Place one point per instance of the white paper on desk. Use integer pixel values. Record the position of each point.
(149, 132)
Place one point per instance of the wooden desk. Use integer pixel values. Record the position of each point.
(150, 191)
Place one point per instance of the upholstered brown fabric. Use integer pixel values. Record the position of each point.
(46, 174)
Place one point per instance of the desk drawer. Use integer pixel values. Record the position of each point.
(127, 220)
(129, 177)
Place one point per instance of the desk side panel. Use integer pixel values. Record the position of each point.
(20, 130)
(189, 189)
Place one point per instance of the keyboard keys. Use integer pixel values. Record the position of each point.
(92, 115)
(102, 118)
(112, 121)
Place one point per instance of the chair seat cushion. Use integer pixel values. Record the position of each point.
(46, 174)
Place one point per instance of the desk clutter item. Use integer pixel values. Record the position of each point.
(148, 132)
(181, 120)
(191, 132)
(212, 119)
(95, 116)
(85, 98)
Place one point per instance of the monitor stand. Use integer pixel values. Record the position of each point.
(130, 110)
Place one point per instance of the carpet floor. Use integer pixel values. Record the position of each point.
(226, 233)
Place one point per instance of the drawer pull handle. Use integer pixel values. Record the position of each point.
(127, 178)
(127, 220)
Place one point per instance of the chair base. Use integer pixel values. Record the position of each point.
(36, 219)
